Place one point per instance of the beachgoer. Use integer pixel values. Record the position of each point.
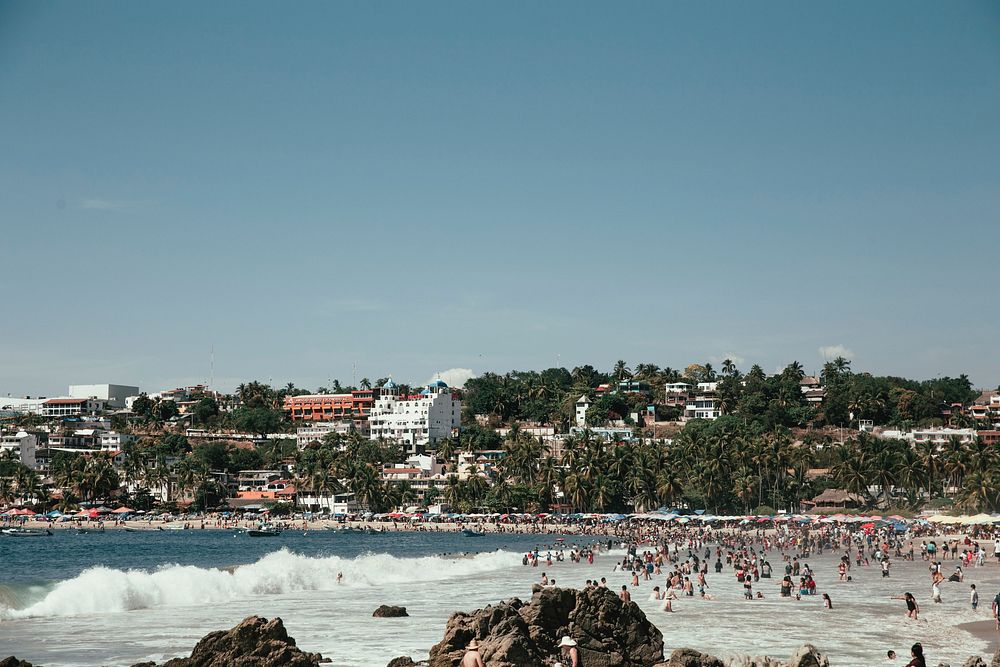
(912, 608)
(472, 657)
(890, 655)
(624, 596)
(917, 653)
(974, 597)
(568, 648)
(827, 602)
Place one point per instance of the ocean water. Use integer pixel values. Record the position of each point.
(118, 598)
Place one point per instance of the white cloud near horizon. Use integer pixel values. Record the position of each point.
(735, 358)
(834, 351)
(454, 377)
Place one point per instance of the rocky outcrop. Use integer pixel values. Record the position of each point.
(806, 656)
(405, 661)
(688, 657)
(389, 611)
(13, 662)
(608, 632)
(255, 642)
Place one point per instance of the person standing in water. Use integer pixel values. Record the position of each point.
(917, 653)
(912, 608)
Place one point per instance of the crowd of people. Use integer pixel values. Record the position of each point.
(676, 562)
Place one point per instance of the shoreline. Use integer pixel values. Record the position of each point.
(984, 630)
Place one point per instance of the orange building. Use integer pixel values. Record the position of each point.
(331, 407)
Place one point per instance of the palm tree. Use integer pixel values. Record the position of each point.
(728, 367)
(621, 372)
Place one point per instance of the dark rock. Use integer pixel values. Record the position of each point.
(688, 657)
(11, 661)
(255, 642)
(974, 661)
(608, 632)
(402, 661)
(389, 611)
(808, 656)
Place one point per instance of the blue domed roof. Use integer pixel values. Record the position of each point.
(389, 385)
(439, 383)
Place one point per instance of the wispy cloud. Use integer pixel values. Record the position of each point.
(454, 377)
(97, 204)
(834, 351)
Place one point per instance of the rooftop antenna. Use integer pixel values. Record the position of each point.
(354, 374)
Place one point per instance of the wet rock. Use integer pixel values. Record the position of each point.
(808, 656)
(608, 632)
(255, 642)
(402, 661)
(11, 661)
(389, 611)
(688, 657)
(974, 661)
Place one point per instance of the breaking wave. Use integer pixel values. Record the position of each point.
(104, 589)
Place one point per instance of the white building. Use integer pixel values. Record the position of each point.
(582, 405)
(25, 405)
(332, 503)
(315, 432)
(113, 394)
(72, 407)
(938, 436)
(22, 445)
(113, 441)
(415, 421)
(703, 404)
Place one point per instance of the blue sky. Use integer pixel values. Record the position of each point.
(415, 187)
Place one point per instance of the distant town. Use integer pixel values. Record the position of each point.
(627, 440)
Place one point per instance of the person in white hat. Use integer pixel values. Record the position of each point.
(472, 657)
(568, 648)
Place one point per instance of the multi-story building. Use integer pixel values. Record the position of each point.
(582, 405)
(111, 441)
(676, 394)
(354, 406)
(112, 394)
(938, 436)
(23, 406)
(306, 435)
(21, 446)
(415, 420)
(71, 407)
(703, 403)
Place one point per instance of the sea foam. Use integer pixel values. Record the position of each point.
(109, 590)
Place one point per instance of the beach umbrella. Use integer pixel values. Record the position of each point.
(122, 510)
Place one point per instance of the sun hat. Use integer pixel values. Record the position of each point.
(567, 641)
(474, 644)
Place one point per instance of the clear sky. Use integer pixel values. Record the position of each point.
(421, 186)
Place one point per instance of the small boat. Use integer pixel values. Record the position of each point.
(84, 531)
(27, 532)
(173, 526)
(472, 533)
(264, 530)
(264, 533)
